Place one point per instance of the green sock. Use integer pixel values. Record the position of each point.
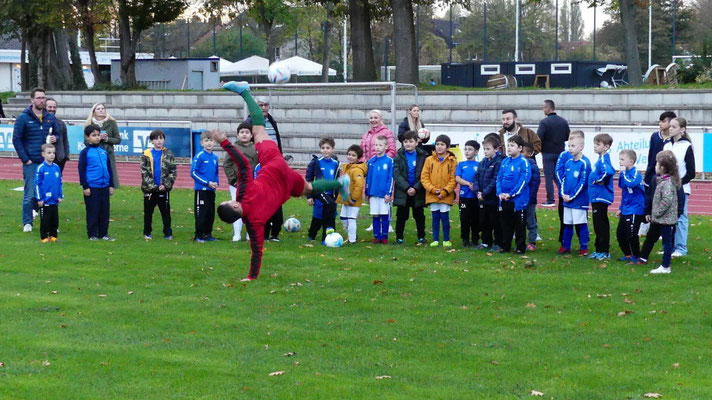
(255, 111)
(323, 185)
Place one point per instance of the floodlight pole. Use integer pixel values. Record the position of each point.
(484, 33)
(650, 34)
(345, 48)
(556, 41)
(674, 26)
(594, 31)
(516, 33)
(451, 34)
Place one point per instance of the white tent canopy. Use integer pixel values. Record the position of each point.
(254, 65)
(303, 67)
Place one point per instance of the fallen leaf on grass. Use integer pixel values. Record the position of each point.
(600, 296)
(653, 395)
(383, 377)
(131, 292)
(291, 353)
(493, 362)
(46, 363)
(452, 251)
(606, 346)
(604, 265)
(308, 245)
(276, 373)
(536, 393)
(54, 292)
(376, 282)
(676, 365)
(103, 295)
(626, 301)
(531, 305)
(2, 364)
(624, 313)
(391, 321)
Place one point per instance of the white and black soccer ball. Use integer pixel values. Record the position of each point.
(334, 239)
(278, 73)
(292, 225)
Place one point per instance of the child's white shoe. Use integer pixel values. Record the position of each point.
(236, 238)
(370, 228)
(660, 270)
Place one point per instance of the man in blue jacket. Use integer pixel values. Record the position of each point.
(553, 132)
(31, 131)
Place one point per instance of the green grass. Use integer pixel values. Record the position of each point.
(170, 320)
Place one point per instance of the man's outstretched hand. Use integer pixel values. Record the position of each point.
(218, 136)
(237, 87)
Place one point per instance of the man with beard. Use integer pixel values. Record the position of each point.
(60, 142)
(511, 127)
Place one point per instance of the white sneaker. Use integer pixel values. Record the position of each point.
(236, 238)
(539, 239)
(35, 214)
(370, 228)
(660, 270)
(676, 254)
(390, 229)
(27, 228)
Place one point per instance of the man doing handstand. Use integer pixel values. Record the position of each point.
(257, 200)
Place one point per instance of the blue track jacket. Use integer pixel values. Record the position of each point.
(95, 168)
(48, 184)
(486, 179)
(379, 179)
(575, 183)
(204, 169)
(513, 178)
(600, 182)
(633, 198)
(560, 169)
(535, 181)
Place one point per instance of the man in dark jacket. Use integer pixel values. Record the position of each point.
(31, 131)
(270, 123)
(553, 132)
(61, 143)
(409, 191)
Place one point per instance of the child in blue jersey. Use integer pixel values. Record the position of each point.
(559, 172)
(48, 193)
(513, 192)
(600, 194)
(324, 167)
(379, 189)
(97, 180)
(632, 209)
(574, 193)
(534, 182)
(469, 205)
(204, 171)
(485, 186)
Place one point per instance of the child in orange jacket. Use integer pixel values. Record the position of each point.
(438, 179)
(356, 170)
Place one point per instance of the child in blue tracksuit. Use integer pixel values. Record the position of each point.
(600, 194)
(469, 207)
(485, 186)
(534, 182)
(379, 189)
(97, 180)
(324, 167)
(574, 193)
(632, 209)
(48, 193)
(513, 192)
(204, 171)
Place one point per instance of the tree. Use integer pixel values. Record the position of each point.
(228, 45)
(575, 23)
(364, 68)
(89, 15)
(404, 30)
(564, 22)
(135, 16)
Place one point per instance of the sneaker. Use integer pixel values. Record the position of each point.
(45, 240)
(210, 239)
(27, 228)
(422, 241)
(481, 247)
(531, 247)
(248, 279)
(35, 214)
(329, 231)
(274, 239)
(496, 248)
(548, 204)
(675, 254)
(594, 255)
(237, 87)
(345, 186)
(640, 261)
(603, 256)
(93, 238)
(434, 243)
(660, 270)
(147, 237)
(198, 240)
(390, 229)
(169, 237)
(466, 244)
(583, 252)
(519, 252)
(108, 238)
(626, 259)
(563, 250)
(447, 243)
(236, 238)
(370, 228)
(539, 239)
(384, 241)
(399, 241)
(502, 251)
(311, 239)
(53, 239)
(376, 241)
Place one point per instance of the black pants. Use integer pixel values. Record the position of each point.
(328, 216)
(490, 224)
(204, 213)
(402, 215)
(49, 221)
(513, 223)
(98, 210)
(577, 227)
(150, 201)
(274, 225)
(601, 227)
(627, 234)
(470, 220)
(549, 160)
(61, 164)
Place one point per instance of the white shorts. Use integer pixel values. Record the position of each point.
(442, 207)
(349, 212)
(379, 206)
(575, 216)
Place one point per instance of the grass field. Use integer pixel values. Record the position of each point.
(170, 320)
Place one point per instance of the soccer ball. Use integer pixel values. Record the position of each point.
(333, 239)
(278, 73)
(292, 225)
(423, 133)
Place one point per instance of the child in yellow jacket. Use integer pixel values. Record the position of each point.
(356, 170)
(438, 179)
